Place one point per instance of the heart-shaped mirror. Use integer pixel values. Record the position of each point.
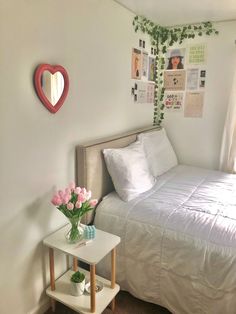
(52, 85)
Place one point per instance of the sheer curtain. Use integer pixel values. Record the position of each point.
(228, 148)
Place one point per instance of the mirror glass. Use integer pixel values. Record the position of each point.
(52, 86)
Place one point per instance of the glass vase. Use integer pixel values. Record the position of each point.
(75, 232)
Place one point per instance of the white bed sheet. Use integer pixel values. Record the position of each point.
(178, 241)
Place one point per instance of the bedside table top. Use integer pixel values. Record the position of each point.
(91, 253)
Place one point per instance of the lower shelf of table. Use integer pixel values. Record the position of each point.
(81, 304)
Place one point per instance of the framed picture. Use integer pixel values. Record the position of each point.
(151, 69)
(136, 64)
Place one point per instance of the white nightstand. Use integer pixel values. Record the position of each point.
(91, 254)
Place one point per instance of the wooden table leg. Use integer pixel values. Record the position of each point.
(113, 268)
(52, 276)
(92, 288)
(113, 304)
(75, 264)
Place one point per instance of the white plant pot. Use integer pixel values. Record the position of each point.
(77, 289)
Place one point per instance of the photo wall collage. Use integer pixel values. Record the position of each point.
(184, 78)
(143, 72)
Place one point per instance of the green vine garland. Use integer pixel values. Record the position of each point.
(163, 38)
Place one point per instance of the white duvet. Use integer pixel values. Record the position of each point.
(178, 241)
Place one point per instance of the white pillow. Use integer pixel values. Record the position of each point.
(129, 170)
(159, 152)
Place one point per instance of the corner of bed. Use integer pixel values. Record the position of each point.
(91, 170)
(178, 239)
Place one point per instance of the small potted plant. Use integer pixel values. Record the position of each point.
(77, 283)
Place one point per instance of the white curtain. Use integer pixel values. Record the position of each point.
(228, 148)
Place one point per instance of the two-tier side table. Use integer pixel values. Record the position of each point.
(91, 254)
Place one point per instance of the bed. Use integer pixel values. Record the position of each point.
(178, 239)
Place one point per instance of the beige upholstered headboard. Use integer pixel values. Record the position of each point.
(90, 165)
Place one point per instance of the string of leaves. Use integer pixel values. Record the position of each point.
(163, 38)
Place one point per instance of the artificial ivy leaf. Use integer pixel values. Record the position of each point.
(164, 49)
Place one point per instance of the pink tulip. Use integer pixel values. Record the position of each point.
(93, 203)
(82, 197)
(70, 206)
(77, 190)
(88, 195)
(67, 191)
(83, 191)
(72, 186)
(56, 200)
(61, 193)
(78, 204)
(66, 198)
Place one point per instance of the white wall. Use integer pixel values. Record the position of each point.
(92, 39)
(197, 141)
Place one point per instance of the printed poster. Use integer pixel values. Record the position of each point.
(192, 79)
(173, 101)
(141, 92)
(175, 59)
(136, 64)
(145, 92)
(194, 104)
(150, 92)
(197, 54)
(174, 80)
(151, 69)
(145, 64)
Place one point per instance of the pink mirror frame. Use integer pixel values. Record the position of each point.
(38, 85)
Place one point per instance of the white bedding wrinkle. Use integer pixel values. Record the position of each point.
(178, 241)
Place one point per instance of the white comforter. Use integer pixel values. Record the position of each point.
(178, 241)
